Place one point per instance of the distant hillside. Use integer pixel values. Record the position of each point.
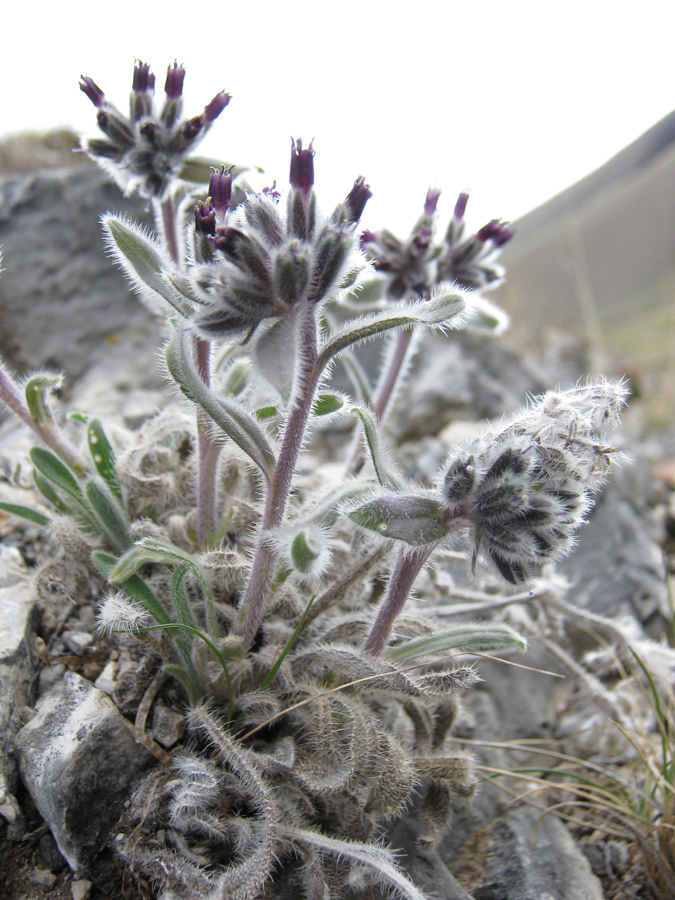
(599, 260)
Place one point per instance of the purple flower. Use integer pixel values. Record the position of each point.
(302, 167)
(92, 90)
(175, 76)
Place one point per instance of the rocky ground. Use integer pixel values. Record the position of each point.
(70, 699)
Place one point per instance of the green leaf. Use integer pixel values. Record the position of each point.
(25, 512)
(51, 467)
(412, 518)
(38, 388)
(228, 415)
(325, 404)
(277, 664)
(109, 514)
(150, 550)
(304, 551)
(50, 494)
(373, 436)
(237, 377)
(103, 456)
(443, 310)
(266, 412)
(179, 596)
(142, 259)
(472, 636)
(133, 585)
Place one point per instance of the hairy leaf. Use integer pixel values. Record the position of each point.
(445, 309)
(32, 515)
(103, 456)
(373, 436)
(472, 636)
(412, 518)
(38, 388)
(143, 261)
(228, 415)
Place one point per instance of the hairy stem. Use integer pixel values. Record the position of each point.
(207, 448)
(405, 572)
(388, 383)
(49, 432)
(307, 378)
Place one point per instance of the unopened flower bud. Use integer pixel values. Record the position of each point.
(144, 80)
(357, 198)
(92, 90)
(302, 167)
(205, 218)
(175, 76)
(213, 109)
(460, 206)
(458, 482)
(431, 201)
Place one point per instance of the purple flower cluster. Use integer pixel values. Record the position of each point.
(526, 487)
(258, 262)
(413, 266)
(145, 151)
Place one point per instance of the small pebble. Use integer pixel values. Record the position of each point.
(77, 641)
(168, 727)
(27, 714)
(41, 879)
(106, 680)
(81, 889)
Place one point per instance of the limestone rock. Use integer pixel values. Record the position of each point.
(20, 616)
(79, 762)
(536, 858)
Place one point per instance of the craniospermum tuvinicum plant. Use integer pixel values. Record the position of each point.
(312, 720)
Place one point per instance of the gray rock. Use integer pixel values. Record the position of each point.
(617, 568)
(20, 617)
(81, 889)
(41, 879)
(79, 762)
(77, 641)
(168, 727)
(62, 302)
(460, 375)
(536, 859)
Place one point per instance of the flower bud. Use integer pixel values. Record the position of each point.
(92, 90)
(175, 76)
(460, 206)
(302, 167)
(356, 199)
(205, 218)
(291, 273)
(458, 482)
(213, 109)
(142, 92)
(431, 201)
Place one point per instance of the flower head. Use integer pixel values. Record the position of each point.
(525, 488)
(146, 150)
(261, 263)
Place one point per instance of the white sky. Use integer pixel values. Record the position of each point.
(514, 100)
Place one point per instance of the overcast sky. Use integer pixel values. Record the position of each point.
(512, 100)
